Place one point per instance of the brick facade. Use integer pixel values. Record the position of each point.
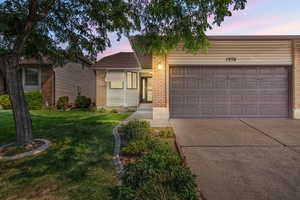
(159, 81)
(48, 85)
(100, 88)
(296, 78)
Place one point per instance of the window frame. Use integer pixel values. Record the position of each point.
(116, 88)
(136, 80)
(38, 76)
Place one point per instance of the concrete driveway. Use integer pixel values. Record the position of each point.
(242, 159)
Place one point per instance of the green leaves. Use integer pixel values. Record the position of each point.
(168, 22)
(82, 26)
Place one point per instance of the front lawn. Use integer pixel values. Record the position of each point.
(77, 166)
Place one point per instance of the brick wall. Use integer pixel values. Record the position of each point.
(100, 88)
(48, 85)
(296, 79)
(159, 81)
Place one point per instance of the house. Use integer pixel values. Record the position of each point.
(238, 76)
(121, 81)
(70, 80)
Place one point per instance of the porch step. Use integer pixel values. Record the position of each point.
(145, 107)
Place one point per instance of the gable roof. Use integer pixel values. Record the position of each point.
(121, 60)
(145, 61)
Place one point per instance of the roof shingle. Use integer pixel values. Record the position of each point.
(121, 60)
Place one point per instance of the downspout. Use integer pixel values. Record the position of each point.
(125, 89)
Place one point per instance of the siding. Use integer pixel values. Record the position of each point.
(115, 97)
(245, 52)
(296, 72)
(121, 97)
(71, 77)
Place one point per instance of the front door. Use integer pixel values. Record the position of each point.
(146, 89)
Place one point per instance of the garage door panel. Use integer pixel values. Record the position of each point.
(224, 91)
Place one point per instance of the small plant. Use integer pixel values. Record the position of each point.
(135, 147)
(166, 133)
(93, 109)
(82, 102)
(102, 110)
(5, 101)
(113, 111)
(136, 130)
(34, 100)
(62, 102)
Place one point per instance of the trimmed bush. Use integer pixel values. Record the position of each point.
(62, 102)
(82, 102)
(5, 101)
(136, 130)
(34, 100)
(113, 111)
(135, 147)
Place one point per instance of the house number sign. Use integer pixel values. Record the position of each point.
(231, 59)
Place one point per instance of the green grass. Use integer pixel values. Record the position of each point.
(77, 166)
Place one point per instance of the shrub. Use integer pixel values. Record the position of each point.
(102, 110)
(159, 173)
(82, 102)
(113, 111)
(34, 100)
(135, 147)
(62, 102)
(166, 133)
(5, 101)
(136, 130)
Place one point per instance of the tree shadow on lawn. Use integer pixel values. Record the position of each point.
(79, 160)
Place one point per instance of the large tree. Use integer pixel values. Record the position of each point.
(65, 29)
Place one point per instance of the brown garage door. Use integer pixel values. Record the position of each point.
(229, 91)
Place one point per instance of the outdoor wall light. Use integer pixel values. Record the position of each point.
(159, 66)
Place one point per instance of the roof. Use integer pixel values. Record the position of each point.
(253, 37)
(45, 61)
(145, 61)
(121, 60)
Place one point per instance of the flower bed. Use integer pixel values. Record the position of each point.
(12, 152)
(152, 167)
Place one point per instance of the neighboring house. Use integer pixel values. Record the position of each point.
(71, 80)
(121, 81)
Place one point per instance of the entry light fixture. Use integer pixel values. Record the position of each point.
(159, 66)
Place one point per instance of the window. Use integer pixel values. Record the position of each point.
(32, 76)
(131, 80)
(116, 84)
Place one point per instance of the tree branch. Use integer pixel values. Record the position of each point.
(33, 17)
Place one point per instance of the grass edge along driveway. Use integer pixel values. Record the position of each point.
(77, 166)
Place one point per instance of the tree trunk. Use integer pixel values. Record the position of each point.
(14, 86)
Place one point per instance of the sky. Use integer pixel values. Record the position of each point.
(260, 17)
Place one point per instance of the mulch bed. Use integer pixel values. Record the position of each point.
(12, 149)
